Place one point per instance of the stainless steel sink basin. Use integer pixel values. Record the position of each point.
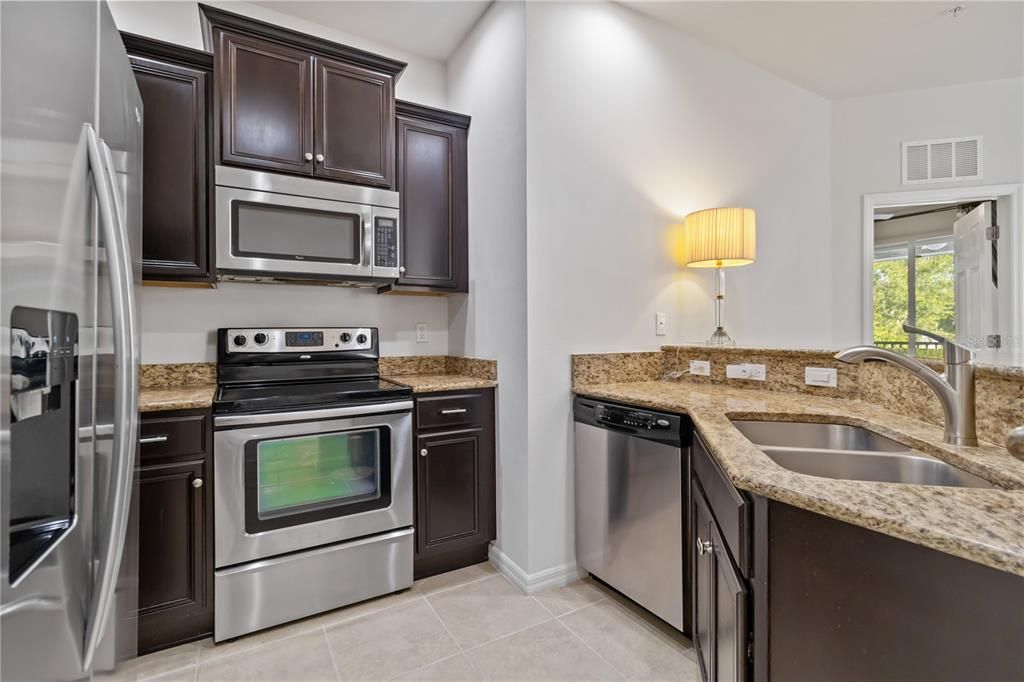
(821, 436)
(850, 452)
(886, 467)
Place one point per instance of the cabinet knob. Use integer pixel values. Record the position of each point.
(197, 483)
(423, 452)
(704, 546)
(401, 268)
(319, 158)
(309, 156)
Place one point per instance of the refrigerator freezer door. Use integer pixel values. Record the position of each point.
(48, 78)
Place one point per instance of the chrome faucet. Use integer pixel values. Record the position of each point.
(954, 388)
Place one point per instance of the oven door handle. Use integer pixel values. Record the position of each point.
(311, 415)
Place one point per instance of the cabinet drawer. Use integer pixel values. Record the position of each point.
(173, 436)
(449, 410)
(729, 506)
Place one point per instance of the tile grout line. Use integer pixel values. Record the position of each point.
(455, 587)
(330, 652)
(458, 644)
(584, 643)
(424, 667)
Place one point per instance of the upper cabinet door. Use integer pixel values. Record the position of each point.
(354, 124)
(433, 224)
(176, 86)
(265, 104)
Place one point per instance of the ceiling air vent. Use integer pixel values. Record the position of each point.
(948, 160)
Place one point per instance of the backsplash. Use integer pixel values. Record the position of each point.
(196, 373)
(439, 364)
(999, 391)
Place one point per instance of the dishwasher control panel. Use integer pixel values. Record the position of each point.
(637, 419)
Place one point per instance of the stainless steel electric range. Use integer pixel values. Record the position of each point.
(313, 502)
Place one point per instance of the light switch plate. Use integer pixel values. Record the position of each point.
(421, 333)
(700, 368)
(821, 376)
(659, 324)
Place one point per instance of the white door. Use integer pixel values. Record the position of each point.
(976, 281)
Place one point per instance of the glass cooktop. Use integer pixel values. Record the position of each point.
(279, 397)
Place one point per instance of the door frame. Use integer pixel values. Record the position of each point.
(1013, 193)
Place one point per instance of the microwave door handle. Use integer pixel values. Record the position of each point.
(367, 234)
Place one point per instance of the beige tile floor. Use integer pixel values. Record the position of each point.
(470, 624)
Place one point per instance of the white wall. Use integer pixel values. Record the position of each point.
(866, 137)
(178, 324)
(630, 125)
(177, 21)
(486, 80)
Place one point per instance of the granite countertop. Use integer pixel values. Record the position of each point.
(429, 383)
(186, 397)
(982, 525)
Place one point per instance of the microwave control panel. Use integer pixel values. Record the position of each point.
(385, 242)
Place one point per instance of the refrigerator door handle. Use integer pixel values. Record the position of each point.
(122, 292)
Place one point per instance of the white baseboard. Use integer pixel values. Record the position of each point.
(532, 582)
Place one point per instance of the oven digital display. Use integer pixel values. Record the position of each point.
(303, 339)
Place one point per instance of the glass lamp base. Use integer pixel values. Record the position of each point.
(720, 338)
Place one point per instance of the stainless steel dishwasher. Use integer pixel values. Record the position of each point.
(632, 504)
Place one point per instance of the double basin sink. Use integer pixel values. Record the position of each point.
(850, 452)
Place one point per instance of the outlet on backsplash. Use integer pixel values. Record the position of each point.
(746, 371)
(700, 368)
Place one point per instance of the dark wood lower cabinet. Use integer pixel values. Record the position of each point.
(720, 601)
(829, 600)
(455, 482)
(175, 529)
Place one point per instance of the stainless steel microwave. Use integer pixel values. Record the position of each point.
(281, 227)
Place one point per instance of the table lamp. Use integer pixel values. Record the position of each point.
(719, 238)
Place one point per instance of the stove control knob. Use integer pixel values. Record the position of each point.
(240, 340)
(361, 338)
(260, 338)
(346, 337)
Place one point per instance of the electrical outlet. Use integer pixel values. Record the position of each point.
(700, 368)
(421, 333)
(659, 324)
(746, 371)
(737, 371)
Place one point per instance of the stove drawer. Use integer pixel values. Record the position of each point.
(444, 410)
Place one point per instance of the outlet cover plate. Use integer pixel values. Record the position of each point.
(659, 324)
(421, 333)
(700, 368)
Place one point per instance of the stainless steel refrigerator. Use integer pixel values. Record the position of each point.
(70, 237)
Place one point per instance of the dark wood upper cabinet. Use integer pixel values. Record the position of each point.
(176, 87)
(265, 94)
(433, 184)
(355, 124)
(294, 103)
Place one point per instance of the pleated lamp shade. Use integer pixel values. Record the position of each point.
(719, 238)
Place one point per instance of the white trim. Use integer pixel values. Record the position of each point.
(557, 576)
(1012, 227)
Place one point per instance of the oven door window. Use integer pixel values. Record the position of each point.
(297, 480)
(289, 232)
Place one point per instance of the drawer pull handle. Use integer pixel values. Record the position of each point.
(197, 483)
(704, 546)
(153, 439)
(454, 410)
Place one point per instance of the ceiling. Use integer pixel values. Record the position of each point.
(849, 49)
(429, 29)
